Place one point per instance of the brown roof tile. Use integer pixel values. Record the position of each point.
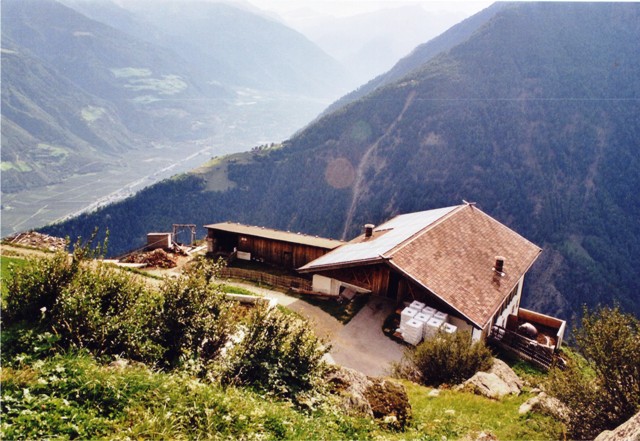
(454, 257)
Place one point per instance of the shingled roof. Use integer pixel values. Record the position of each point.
(449, 251)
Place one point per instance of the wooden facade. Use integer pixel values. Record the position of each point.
(278, 248)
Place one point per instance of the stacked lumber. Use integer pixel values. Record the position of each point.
(157, 258)
(34, 239)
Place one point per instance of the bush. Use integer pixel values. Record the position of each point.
(33, 288)
(196, 319)
(446, 358)
(108, 311)
(604, 390)
(278, 353)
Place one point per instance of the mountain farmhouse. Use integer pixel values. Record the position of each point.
(456, 260)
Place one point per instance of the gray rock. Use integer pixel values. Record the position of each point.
(506, 374)
(370, 396)
(434, 393)
(487, 384)
(547, 405)
(629, 431)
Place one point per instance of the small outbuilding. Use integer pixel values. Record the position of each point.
(279, 248)
(159, 240)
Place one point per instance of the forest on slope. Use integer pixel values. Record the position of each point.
(534, 117)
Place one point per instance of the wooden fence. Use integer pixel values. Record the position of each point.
(284, 282)
(525, 348)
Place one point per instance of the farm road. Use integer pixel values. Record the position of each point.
(360, 344)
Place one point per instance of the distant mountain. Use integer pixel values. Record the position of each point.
(229, 45)
(92, 91)
(535, 116)
(369, 44)
(423, 53)
(47, 136)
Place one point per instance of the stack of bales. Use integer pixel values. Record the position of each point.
(418, 322)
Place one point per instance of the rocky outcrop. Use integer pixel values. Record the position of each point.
(506, 374)
(629, 431)
(547, 405)
(376, 397)
(498, 381)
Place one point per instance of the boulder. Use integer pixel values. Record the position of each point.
(375, 397)
(498, 381)
(626, 431)
(547, 405)
(506, 374)
(486, 384)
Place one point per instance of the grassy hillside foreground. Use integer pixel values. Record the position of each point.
(49, 392)
(74, 396)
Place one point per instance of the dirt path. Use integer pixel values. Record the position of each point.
(359, 345)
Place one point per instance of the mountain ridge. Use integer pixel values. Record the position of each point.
(533, 118)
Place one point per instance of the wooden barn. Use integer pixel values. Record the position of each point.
(457, 260)
(280, 248)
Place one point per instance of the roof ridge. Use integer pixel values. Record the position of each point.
(510, 230)
(389, 254)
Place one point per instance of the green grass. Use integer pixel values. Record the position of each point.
(4, 270)
(456, 415)
(74, 397)
(343, 312)
(20, 166)
(92, 113)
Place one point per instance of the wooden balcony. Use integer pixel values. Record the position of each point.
(538, 354)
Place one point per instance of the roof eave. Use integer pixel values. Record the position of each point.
(328, 267)
(396, 267)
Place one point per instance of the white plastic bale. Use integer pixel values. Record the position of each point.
(432, 326)
(449, 328)
(428, 310)
(417, 305)
(422, 317)
(442, 315)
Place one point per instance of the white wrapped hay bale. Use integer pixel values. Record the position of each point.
(413, 331)
(407, 314)
(428, 310)
(417, 305)
(421, 317)
(431, 327)
(449, 328)
(442, 315)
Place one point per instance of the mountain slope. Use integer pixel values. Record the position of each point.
(229, 45)
(423, 53)
(46, 137)
(535, 117)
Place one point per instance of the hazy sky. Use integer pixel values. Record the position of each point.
(341, 8)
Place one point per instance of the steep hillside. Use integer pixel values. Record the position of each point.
(98, 100)
(45, 137)
(535, 117)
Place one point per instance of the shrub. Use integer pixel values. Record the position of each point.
(604, 390)
(278, 353)
(33, 288)
(196, 319)
(108, 312)
(446, 358)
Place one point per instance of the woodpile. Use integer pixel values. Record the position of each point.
(34, 239)
(156, 258)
